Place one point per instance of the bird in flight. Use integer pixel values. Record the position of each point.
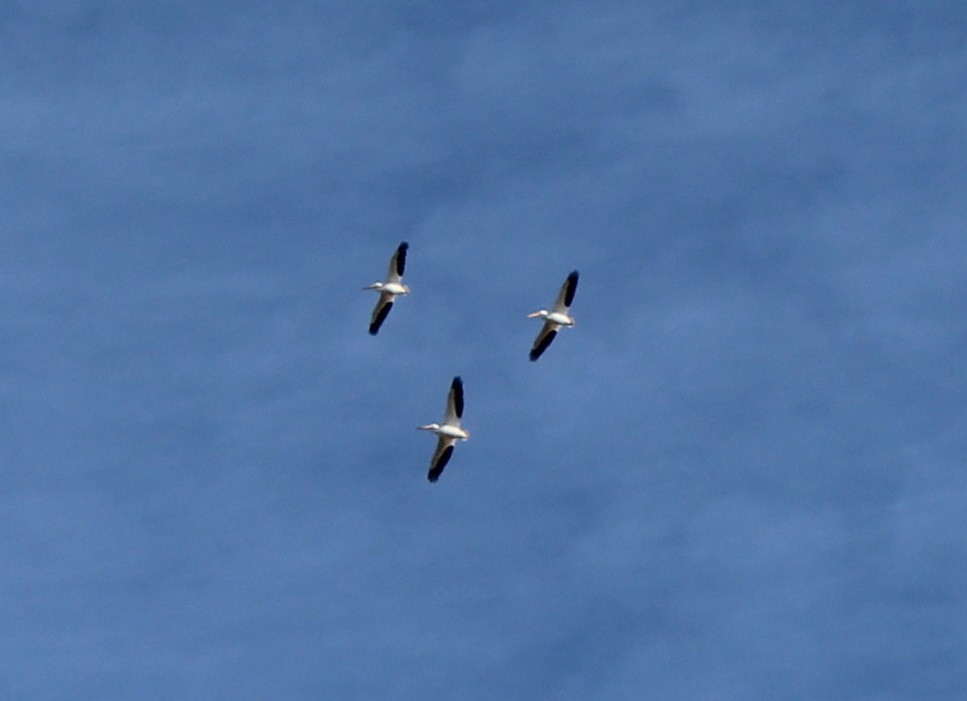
(556, 317)
(391, 288)
(449, 432)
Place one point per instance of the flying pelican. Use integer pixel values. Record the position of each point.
(556, 318)
(389, 289)
(449, 432)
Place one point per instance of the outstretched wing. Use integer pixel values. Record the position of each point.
(444, 449)
(454, 411)
(397, 263)
(380, 312)
(543, 340)
(566, 296)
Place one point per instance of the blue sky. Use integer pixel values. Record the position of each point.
(740, 476)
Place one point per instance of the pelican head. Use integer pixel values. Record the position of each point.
(429, 427)
(539, 313)
(374, 286)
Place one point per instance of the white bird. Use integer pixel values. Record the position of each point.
(389, 289)
(555, 318)
(449, 432)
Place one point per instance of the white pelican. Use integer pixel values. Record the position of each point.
(449, 432)
(389, 289)
(556, 318)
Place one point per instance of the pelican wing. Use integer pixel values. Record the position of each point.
(444, 449)
(454, 411)
(566, 296)
(380, 312)
(543, 340)
(397, 263)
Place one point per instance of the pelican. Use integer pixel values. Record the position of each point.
(389, 289)
(555, 318)
(449, 432)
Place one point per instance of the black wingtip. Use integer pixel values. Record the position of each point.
(374, 326)
(457, 388)
(572, 286)
(436, 470)
(539, 349)
(380, 318)
(401, 257)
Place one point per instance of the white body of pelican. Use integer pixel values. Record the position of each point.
(389, 289)
(555, 318)
(449, 432)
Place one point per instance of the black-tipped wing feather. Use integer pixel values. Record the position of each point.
(400, 258)
(380, 313)
(542, 341)
(456, 397)
(440, 460)
(566, 296)
(570, 287)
